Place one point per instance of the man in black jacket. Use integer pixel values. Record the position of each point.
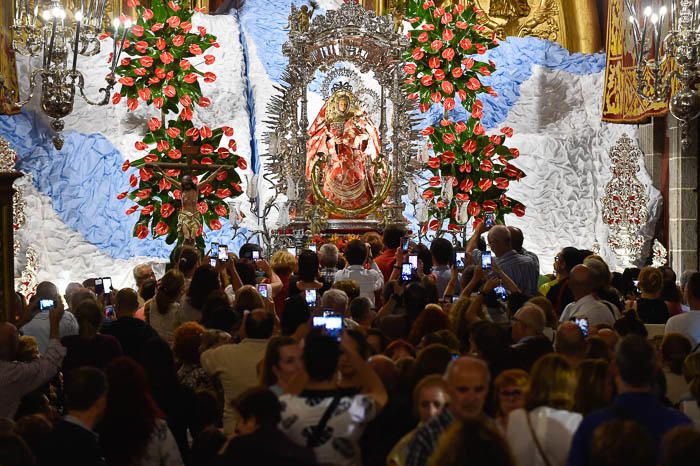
(529, 343)
(72, 441)
(131, 332)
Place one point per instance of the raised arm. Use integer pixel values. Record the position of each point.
(369, 380)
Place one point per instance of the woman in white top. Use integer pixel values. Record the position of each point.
(674, 349)
(540, 434)
(163, 311)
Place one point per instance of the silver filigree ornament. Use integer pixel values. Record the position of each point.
(659, 257)
(625, 203)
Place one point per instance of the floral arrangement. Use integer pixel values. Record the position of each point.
(162, 68)
(471, 171)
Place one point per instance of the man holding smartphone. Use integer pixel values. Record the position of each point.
(39, 326)
(394, 236)
(19, 379)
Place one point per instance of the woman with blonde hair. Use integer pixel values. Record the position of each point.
(248, 299)
(541, 433)
(651, 308)
(509, 390)
(284, 264)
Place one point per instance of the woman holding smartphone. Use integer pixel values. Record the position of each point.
(306, 276)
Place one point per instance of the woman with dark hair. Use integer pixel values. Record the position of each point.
(133, 431)
(281, 364)
(248, 299)
(674, 349)
(430, 320)
(163, 311)
(476, 442)
(594, 389)
(187, 261)
(491, 343)
(306, 276)
(89, 348)
(174, 399)
(204, 281)
(217, 313)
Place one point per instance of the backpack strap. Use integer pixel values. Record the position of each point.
(318, 428)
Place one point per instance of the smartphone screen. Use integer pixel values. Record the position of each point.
(214, 249)
(489, 221)
(310, 297)
(501, 292)
(292, 251)
(255, 255)
(312, 247)
(582, 323)
(99, 286)
(107, 284)
(404, 244)
(486, 260)
(262, 289)
(212, 262)
(460, 260)
(332, 324)
(109, 312)
(46, 304)
(406, 272)
(636, 285)
(413, 260)
(223, 252)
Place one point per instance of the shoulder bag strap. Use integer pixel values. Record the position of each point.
(318, 428)
(696, 348)
(536, 440)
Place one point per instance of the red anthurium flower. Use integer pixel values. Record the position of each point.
(514, 152)
(448, 138)
(209, 77)
(511, 171)
(519, 210)
(204, 102)
(428, 27)
(488, 151)
(206, 161)
(162, 145)
(436, 44)
(480, 48)
(190, 78)
(418, 54)
(236, 187)
(445, 122)
(473, 84)
(485, 184)
(428, 131)
(164, 185)
(177, 194)
(173, 132)
(447, 35)
(153, 80)
(137, 30)
(462, 196)
(132, 104)
(166, 57)
(467, 185)
(462, 24)
(458, 9)
(428, 4)
(486, 165)
(435, 181)
(174, 154)
(206, 149)
(242, 164)
(448, 157)
(173, 21)
(439, 74)
(495, 139)
(125, 61)
(507, 131)
(126, 165)
(436, 97)
(186, 101)
(202, 207)
(127, 81)
(186, 114)
(215, 224)
(139, 145)
(485, 71)
(440, 204)
(413, 96)
(409, 68)
(157, 27)
(186, 26)
(148, 210)
(468, 62)
(222, 193)
(434, 62)
(161, 228)
(460, 127)
(438, 12)
(141, 46)
(228, 131)
(428, 194)
(489, 206)
(140, 71)
(501, 183)
(466, 167)
(457, 72)
(132, 209)
(469, 147)
(154, 124)
(192, 133)
(434, 162)
(448, 54)
(479, 129)
(221, 176)
(186, 65)
(195, 49)
(221, 210)
(143, 193)
(160, 43)
(169, 91)
(426, 80)
(145, 174)
(423, 37)
(147, 14)
(146, 61)
(205, 132)
(141, 231)
(446, 18)
(206, 189)
(121, 196)
(178, 40)
(116, 98)
(150, 158)
(473, 208)
(424, 107)
(449, 103)
(202, 31)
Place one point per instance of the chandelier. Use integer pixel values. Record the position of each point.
(58, 35)
(666, 49)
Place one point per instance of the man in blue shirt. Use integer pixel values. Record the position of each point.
(635, 361)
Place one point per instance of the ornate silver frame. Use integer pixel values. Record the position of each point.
(354, 35)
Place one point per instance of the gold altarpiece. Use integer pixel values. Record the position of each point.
(571, 23)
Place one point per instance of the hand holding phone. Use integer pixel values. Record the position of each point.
(406, 272)
(46, 304)
(255, 255)
(489, 221)
(582, 323)
(99, 287)
(486, 260)
(223, 252)
(310, 296)
(404, 244)
(330, 324)
(460, 260)
(413, 260)
(264, 290)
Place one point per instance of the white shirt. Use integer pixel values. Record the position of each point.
(687, 324)
(165, 324)
(369, 281)
(690, 408)
(40, 326)
(339, 442)
(597, 312)
(554, 429)
(235, 366)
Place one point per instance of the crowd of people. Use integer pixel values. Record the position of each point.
(388, 352)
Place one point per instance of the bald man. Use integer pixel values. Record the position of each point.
(18, 379)
(570, 343)
(517, 239)
(585, 304)
(529, 341)
(467, 385)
